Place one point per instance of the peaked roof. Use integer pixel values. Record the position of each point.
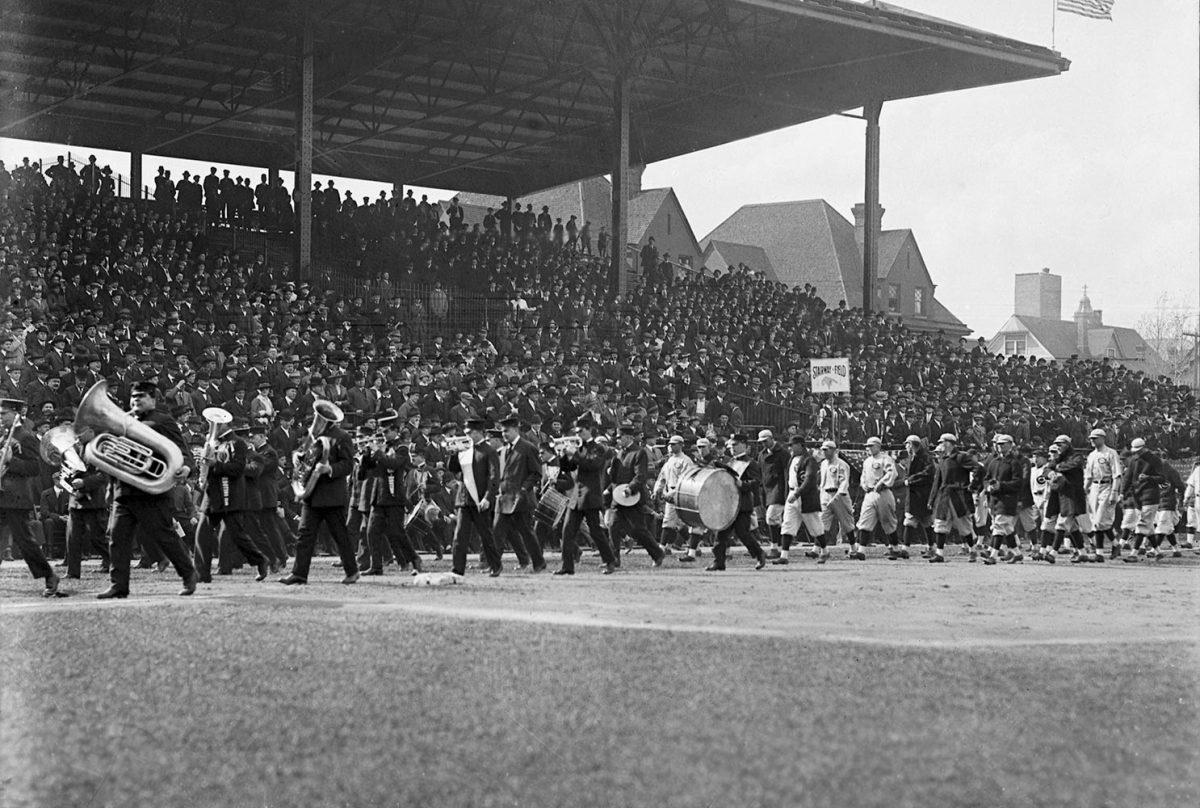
(733, 254)
(1125, 341)
(1059, 337)
(643, 208)
(942, 314)
(807, 241)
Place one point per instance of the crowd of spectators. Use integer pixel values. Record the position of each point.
(96, 286)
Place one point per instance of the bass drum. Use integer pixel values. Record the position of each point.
(707, 498)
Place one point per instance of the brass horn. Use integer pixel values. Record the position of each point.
(325, 412)
(124, 447)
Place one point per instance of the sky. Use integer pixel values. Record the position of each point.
(1094, 174)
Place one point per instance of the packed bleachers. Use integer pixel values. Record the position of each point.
(98, 286)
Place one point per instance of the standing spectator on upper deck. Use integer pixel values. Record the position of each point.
(649, 258)
(212, 193)
(602, 243)
(585, 238)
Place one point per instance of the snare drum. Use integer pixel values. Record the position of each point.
(550, 508)
(417, 526)
(707, 498)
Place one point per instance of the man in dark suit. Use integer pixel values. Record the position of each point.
(749, 481)
(225, 503)
(262, 472)
(520, 479)
(86, 514)
(22, 465)
(386, 468)
(149, 516)
(586, 498)
(329, 499)
(775, 461)
(480, 468)
(627, 473)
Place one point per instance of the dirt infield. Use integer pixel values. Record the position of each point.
(851, 684)
(874, 601)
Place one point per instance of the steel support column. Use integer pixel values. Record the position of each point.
(304, 150)
(135, 175)
(871, 197)
(620, 182)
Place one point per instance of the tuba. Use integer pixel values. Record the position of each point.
(124, 447)
(317, 449)
(58, 448)
(216, 417)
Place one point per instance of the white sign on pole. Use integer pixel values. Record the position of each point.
(830, 375)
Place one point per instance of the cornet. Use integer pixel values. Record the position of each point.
(458, 443)
(568, 444)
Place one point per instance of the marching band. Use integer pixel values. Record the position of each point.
(496, 489)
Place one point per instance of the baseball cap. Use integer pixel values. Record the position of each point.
(828, 445)
(704, 442)
(675, 439)
(950, 436)
(1002, 438)
(912, 439)
(874, 441)
(763, 434)
(1137, 444)
(1063, 439)
(1097, 433)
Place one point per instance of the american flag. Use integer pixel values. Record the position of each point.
(1096, 9)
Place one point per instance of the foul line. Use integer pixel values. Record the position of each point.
(574, 620)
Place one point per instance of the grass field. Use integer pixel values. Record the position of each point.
(851, 684)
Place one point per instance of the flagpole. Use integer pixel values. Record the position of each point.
(1053, 23)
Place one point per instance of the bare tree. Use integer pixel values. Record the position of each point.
(1166, 329)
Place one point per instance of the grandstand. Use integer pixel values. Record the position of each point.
(525, 689)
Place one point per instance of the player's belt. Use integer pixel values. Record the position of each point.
(1107, 481)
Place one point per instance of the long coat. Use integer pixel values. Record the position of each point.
(332, 490)
(24, 466)
(485, 468)
(950, 497)
(520, 477)
(588, 463)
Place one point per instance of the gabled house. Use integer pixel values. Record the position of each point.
(1037, 329)
(653, 212)
(807, 241)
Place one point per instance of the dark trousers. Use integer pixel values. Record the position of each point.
(517, 529)
(355, 522)
(85, 528)
(385, 528)
(632, 522)
(230, 528)
(740, 528)
(472, 521)
(273, 529)
(311, 520)
(571, 532)
(18, 522)
(153, 520)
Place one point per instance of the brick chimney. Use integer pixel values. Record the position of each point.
(635, 179)
(860, 221)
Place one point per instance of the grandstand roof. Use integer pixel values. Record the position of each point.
(500, 97)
